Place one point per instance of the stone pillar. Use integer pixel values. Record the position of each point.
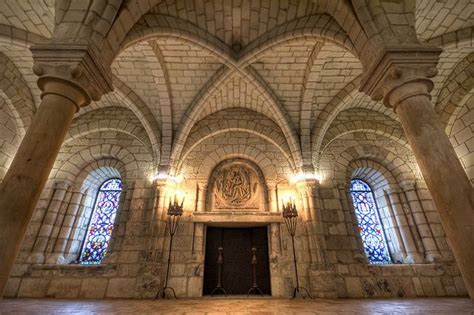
(413, 254)
(310, 192)
(272, 198)
(202, 186)
(70, 76)
(44, 233)
(401, 78)
(422, 225)
(58, 256)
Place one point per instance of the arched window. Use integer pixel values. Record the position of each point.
(368, 220)
(102, 222)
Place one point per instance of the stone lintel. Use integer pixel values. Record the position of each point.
(396, 66)
(76, 64)
(238, 218)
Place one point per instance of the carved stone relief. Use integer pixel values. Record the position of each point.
(236, 186)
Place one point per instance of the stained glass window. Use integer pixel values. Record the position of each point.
(370, 227)
(102, 222)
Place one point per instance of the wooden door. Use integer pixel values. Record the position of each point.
(237, 272)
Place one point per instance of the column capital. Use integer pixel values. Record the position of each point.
(203, 184)
(308, 185)
(75, 65)
(408, 185)
(389, 77)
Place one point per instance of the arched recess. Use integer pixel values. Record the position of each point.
(139, 108)
(363, 120)
(349, 97)
(15, 88)
(68, 169)
(457, 85)
(236, 119)
(238, 151)
(10, 135)
(373, 172)
(102, 119)
(382, 183)
(87, 184)
(321, 27)
(220, 78)
(247, 165)
(400, 168)
(460, 130)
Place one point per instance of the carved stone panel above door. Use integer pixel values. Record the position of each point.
(236, 184)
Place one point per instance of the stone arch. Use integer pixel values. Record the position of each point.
(230, 129)
(457, 85)
(127, 16)
(139, 108)
(99, 171)
(394, 164)
(15, 88)
(378, 124)
(10, 135)
(221, 122)
(342, 100)
(195, 109)
(238, 151)
(330, 112)
(461, 38)
(382, 182)
(102, 119)
(373, 172)
(86, 185)
(14, 36)
(217, 48)
(69, 169)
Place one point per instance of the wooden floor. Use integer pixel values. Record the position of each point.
(452, 306)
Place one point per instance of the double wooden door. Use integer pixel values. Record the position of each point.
(237, 254)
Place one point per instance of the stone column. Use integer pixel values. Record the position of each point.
(202, 186)
(273, 200)
(420, 220)
(413, 255)
(69, 78)
(401, 78)
(44, 233)
(58, 256)
(309, 192)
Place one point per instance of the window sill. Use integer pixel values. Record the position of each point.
(73, 269)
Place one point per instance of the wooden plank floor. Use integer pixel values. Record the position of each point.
(263, 306)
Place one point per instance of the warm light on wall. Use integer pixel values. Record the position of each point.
(305, 176)
(177, 179)
(176, 202)
(177, 197)
(287, 198)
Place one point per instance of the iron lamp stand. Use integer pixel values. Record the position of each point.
(290, 215)
(174, 213)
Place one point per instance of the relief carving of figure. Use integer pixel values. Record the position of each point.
(236, 187)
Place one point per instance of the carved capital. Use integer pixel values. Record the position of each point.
(203, 185)
(310, 186)
(408, 185)
(400, 73)
(76, 65)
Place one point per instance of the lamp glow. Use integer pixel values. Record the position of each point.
(305, 176)
(177, 179)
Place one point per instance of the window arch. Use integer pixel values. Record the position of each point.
(101, 224)
(368, 221)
